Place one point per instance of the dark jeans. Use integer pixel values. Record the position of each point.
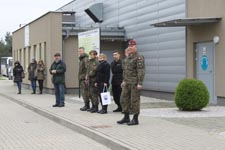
(59, 93)
(116, 89)
(40, 83)
(100, 90)
(19, 86)
(33, 84)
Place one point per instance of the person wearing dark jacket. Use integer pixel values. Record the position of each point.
(117, 78)
(57, 70)
(32, 74)
(83, 65)
(40, 74)
(103, 75)
(17, 73)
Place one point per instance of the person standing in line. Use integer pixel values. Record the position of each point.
(91, 78)
(134, 73)
(102, 82)
(83, 64)
(40, 74)
(117, 78)
(17, 73)
(32, 74)
(124, 63)
(57, 70)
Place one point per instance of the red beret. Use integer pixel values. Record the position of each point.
(132, 42)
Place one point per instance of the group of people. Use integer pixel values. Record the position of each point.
(128, 75)
(94, 75)
(36, 72)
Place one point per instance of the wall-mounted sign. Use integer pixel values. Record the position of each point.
(90, 40)
(204, 62)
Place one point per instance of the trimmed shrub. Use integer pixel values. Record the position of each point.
(191, 95)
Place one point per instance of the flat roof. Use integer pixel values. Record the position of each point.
(187, 22)
(36, 20)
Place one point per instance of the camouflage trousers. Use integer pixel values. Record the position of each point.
(93, 95)
(130, 98)
(84, 91)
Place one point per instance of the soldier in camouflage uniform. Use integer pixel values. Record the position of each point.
(92, 77)
(134, 72)
(124, 62)
(83, 64)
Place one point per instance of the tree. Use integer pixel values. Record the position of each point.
(6, 45)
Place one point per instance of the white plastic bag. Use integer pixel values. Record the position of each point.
(105, 96)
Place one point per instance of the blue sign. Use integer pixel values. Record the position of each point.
(204, 62)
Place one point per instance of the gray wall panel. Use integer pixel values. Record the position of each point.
(163, 48)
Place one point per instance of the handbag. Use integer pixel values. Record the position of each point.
(22, 74)
(105, 96)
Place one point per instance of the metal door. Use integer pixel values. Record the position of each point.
(205, 69)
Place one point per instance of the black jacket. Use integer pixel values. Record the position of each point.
(103, 72)
(17, 70)
(117, 72)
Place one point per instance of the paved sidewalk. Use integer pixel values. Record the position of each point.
(22, 129)
(151, 134)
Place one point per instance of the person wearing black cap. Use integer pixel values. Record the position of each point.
(57, 70)
(134, 73)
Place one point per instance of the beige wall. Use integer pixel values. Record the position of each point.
(45, 35)
(202, 33)
(72, 61)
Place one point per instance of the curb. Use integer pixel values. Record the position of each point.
(101, 138)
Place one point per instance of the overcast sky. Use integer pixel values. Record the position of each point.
(16, 12)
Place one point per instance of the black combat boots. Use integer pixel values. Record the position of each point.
(125, 119)
(91, 108)
(86, 107)
(95, 109)
(134, 121)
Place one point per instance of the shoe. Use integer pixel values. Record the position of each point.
(84, 108)
(40, 92)
(125, 119)
(117, 110)
(103, 112)
(61, 105)
(19, 93)
(90, 109)
(33, 93)
(95, 109)
(100, 111)
(56, 105)
(134, 121)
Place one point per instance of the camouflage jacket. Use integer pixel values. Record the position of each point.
(92, 70)
(124, 63)
(134, 69)
(83, 64)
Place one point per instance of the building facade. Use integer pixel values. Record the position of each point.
(163, 48)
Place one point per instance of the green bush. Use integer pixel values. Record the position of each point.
(191, 95)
